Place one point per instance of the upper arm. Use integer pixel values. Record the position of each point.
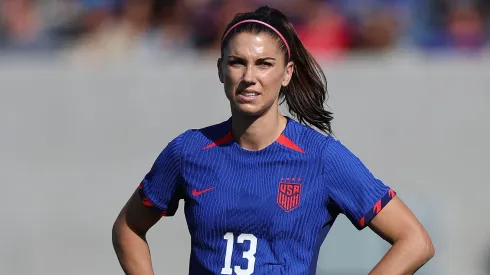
(159, 192)
(367, 201)
(161, 188)
(396, 222)
(136, 216)
(352, 187)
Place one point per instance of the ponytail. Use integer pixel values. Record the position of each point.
(307, 91)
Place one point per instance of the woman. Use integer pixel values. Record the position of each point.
(261, 190)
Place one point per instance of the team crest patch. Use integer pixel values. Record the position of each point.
(289, 195)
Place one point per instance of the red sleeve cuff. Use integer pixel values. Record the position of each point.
(148, 203)
(380, 204)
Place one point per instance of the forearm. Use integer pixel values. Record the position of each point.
(405, 257)
(132, 251)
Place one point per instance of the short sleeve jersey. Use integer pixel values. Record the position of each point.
(265, 211)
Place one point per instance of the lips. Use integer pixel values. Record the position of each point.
(248, 92)
(248, 95)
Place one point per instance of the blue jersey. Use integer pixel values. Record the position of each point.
(265, 211)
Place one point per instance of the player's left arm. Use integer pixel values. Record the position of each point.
(411, 245)
(368, 202)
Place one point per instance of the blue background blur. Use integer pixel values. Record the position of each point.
(108, 29)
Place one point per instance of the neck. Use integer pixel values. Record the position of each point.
(256, 133)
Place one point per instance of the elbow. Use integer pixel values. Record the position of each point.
(430, 250)
(425, 249)
(418, 245)
(116, 235)
(114, 231)
(117, 238)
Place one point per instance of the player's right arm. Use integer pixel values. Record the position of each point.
(158, 195)
(129, 236)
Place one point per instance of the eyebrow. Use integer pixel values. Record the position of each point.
(259, 59)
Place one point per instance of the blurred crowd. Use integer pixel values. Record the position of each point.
(101, 29)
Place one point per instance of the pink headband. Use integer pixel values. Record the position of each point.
(263, 23)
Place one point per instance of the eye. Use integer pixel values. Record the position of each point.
(265, 64)
(235, 63)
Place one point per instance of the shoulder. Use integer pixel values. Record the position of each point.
(313, 142)
(318, 144)
(196, 139)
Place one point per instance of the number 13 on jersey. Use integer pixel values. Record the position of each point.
(249, 255)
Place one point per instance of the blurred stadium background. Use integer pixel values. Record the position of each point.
(92, 90)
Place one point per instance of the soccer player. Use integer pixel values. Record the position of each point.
(262, 190)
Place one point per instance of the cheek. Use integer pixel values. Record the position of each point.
(272, 82)
(231, 78)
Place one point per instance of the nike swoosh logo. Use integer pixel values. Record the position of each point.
(196, 193)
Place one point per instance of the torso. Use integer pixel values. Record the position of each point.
(255, 212)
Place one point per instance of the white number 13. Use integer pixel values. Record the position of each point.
(249, 255)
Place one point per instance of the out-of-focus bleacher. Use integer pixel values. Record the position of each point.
(105, 29)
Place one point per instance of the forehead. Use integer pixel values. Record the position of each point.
(254, 44)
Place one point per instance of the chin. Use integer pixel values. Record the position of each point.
(250, 110)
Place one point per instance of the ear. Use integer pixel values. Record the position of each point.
(288, 74)
(220, 70)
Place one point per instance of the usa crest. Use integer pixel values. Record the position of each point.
(289, 195)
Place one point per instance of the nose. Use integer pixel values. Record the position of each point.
(248, 75)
